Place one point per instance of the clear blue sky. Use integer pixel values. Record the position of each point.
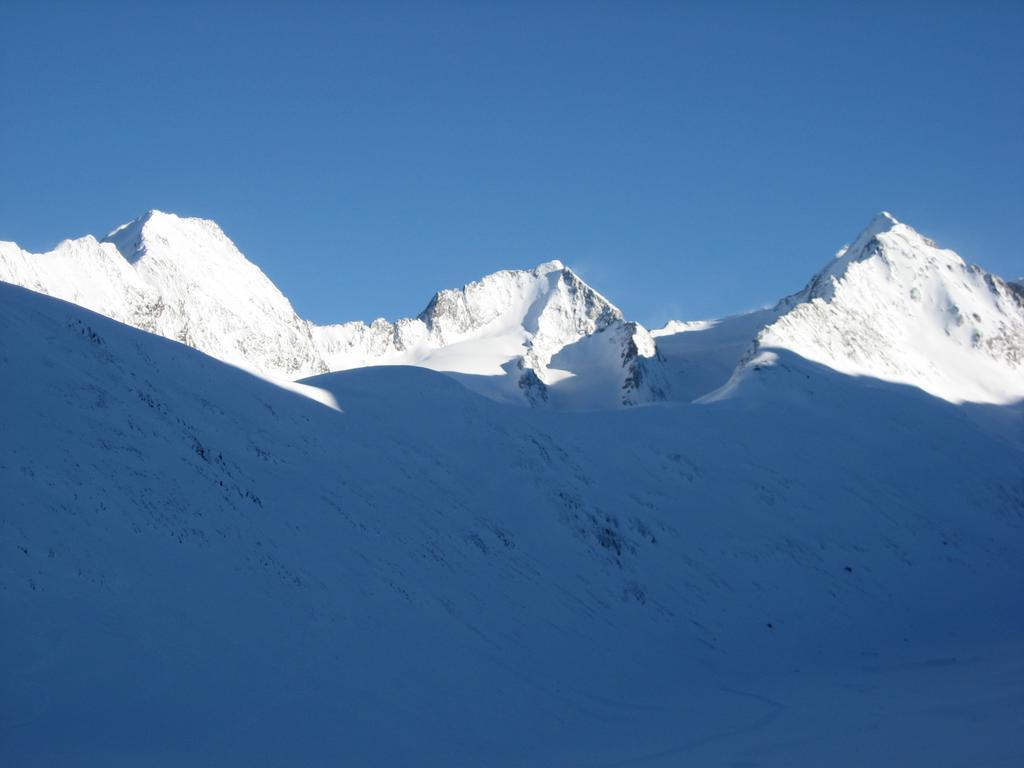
(689, 159)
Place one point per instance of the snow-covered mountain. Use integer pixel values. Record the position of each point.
(181, 278)
(516, 312)
(892, 306)
(380, 566)
(505, 331)
(198, 566)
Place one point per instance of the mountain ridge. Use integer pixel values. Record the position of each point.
(518, 335)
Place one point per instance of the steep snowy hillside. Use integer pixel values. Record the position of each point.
(177, 277)
(892, 305)
(202, 568)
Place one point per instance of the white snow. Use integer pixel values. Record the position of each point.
(379, 566)
(181, 278)
(705, 355)
(892, 306)
(896, 307)
(503, 325)
(673, 327)
(201, 567)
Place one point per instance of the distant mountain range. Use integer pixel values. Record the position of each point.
(891, 305)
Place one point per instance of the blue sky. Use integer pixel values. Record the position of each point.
(688, 159)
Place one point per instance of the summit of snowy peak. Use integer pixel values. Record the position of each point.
(514, 298)
(897, 307)
(182, 234)
(128, 238)
(880, 224)
(505, 325)
(549, 266)
(135, 224)
(181, 278)
(886, 250)
(882, 221)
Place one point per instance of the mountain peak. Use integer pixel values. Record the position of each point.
(895, 306)
(882, 221)
(139, 222)
(181, 278)
(549, 266)
(130, 238)
(175, 238)
(127, 238)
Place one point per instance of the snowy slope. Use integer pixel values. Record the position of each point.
(619, 365)
(700, 356)
(202, 568)
(177, 277)
(892, 305)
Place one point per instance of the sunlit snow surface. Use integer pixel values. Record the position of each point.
(202, 568)
(895, 306)
(891, 305)
(182, 278)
